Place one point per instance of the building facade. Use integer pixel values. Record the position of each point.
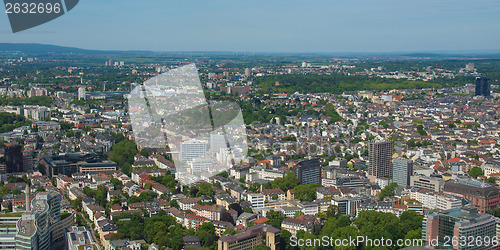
(308, 171)
(380, 159)
(402, 170)
(261, 234)
(458, 224)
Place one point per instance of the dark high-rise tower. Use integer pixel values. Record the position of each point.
(483, 86)
(308, 171)
(14, 158)
(380, 155)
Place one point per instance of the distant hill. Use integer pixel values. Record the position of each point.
(35, 48)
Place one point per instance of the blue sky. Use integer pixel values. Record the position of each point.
(272, 26)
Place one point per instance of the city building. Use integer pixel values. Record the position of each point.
(274, 194)
(481, 195)
(261, 234)
(346, 181)
(350, 205)
(80, 238)
(402, 170)
(425, 182)
(192, 150)
(308, 171)
(14, 158)
(257, 200)
(307, 223)
(380, 159)
(81, 93)
(36, 92)
(34, 112)
(36, 228)
(440, 227)
(483, 86)
(68, 164)
(212, 212)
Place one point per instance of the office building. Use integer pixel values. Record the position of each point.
(81, 93)
(402, 170)
(192, 150)
(483, 86)
(481, 195)
(380, 159)
(261, 234)
(440, 227)
(68, 164)
(38, 227)
(257, 200)
(428, 183)
(14, 159)
(350, 205)
(38, 113)
(308, 171)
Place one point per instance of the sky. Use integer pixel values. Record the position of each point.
(271, 26)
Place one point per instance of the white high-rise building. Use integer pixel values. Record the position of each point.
(192, 150)
(217, 141)
(81, 93)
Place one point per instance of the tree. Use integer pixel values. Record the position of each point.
(286, 183)
(275, 219)
(229, 231)
(123, 154)
(223, 174)
(388, 191)
(298, 213)
(117, 199)
(145, 152)
(492, 180)
(148, 185)
(174, 203)
(262, 247)
(475, 172)
(204, 189)
(332, 211)
(206, 233)
(421, 130)
(306, 192)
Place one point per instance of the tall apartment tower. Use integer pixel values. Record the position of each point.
(483, 86)
(81, 93)
(402, 170)
(308, 171)
(380, 156)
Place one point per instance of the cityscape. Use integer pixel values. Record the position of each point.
(391, 153)
(241, 125)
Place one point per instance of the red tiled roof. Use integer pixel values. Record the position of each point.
(456, 159)
(261, 220)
